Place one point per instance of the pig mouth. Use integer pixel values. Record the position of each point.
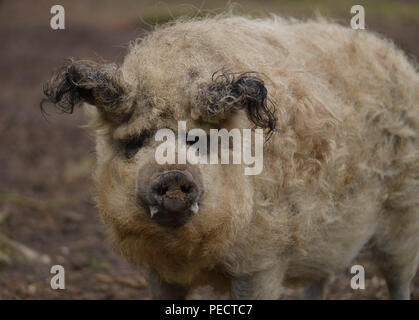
(172, 218)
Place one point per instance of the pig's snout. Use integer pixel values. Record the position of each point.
(173, 198)
(174, 191)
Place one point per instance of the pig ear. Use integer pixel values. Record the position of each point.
(228, 92)
(86, 81)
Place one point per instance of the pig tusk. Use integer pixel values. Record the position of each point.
(153, 211)
(194, 208)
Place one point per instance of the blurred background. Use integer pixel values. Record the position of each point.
(47, 215)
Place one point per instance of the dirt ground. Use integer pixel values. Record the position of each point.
(45, 163)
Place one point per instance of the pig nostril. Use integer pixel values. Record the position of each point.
(185, 189)
(161, 191)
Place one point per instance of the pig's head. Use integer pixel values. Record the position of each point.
(164, 215)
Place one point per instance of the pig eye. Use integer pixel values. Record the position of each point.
(131, 145)
(192, 142)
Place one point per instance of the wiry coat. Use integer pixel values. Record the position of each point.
(340, 170)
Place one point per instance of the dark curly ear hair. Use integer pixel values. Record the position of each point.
(228, 92)
(86, 81)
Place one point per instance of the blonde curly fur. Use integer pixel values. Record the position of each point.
(340, 171)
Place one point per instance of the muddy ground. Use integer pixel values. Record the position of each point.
(45, 163)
